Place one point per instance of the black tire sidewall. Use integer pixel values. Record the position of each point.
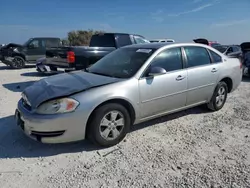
(220, 84)
(94, 133)
(15, 67)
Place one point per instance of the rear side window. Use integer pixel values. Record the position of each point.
(123, 40)
(197, 56)
(170, 59)
(52, 43)
(216, 58)
(102, 41)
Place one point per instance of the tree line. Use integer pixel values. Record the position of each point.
(80, 37)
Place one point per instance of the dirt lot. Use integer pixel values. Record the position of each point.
(192, 148)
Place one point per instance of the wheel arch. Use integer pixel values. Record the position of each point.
(229, 83)
(20, 55)
(125, 103)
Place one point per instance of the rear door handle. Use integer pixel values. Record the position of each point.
(180, 77)
(214, 70)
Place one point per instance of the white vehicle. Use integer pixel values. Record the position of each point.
(162, 40)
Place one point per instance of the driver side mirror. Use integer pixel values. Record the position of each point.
(155, 71)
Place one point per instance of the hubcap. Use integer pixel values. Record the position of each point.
(112, 125)
(18, 62)
(220, 96)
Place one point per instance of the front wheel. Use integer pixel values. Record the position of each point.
(219, 97)
(17, 62)
(109, 125)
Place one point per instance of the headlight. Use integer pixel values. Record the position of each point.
(63, 105)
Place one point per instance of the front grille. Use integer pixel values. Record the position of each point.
(47, 134)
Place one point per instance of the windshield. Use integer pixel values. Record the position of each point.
(27, 42)
(121, 63)
(221, 48)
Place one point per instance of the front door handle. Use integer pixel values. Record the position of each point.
(214, 70)
(180, 77)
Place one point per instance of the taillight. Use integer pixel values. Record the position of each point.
(71, 57)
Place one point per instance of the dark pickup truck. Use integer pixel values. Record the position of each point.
(80, 57)
(18, 55)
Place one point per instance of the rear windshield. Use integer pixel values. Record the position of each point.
(102, 41)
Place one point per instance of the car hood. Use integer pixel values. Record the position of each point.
(12, 45)
(62, 85)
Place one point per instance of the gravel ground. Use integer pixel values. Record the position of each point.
(192, 148)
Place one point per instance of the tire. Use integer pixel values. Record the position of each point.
(53, 68)
(18, 62)
(95, 128)
(220, 91)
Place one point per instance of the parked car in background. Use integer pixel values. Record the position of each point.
(17, 55)
(206, 42)
(78, 57)
(162, 40)
(213, 43)
(245, 47)
(227, 49)
(130, 85)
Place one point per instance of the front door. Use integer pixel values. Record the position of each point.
(202, 74)
(35, 50)
(166, 92)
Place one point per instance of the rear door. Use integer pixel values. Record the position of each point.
(202, 74)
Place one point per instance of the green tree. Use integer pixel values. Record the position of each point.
(81, 37)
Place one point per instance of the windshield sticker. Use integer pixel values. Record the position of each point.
(144, 50)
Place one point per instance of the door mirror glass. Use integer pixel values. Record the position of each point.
(154, 71)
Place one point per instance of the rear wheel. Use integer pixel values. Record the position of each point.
(109, 125)
(17, 62)
(219, 97)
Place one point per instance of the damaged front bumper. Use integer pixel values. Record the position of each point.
(7, 60)
(57, 128)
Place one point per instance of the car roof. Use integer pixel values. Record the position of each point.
(160, 45)
(147, 45)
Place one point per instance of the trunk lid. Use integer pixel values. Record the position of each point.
(57, 56)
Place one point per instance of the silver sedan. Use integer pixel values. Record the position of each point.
(130, 85)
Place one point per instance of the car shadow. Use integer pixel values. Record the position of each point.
(18, 86)
(196, 110)
(245, 79)
(5, 67)
(14, 144)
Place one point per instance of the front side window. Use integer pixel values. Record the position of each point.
(34, 43)
(197, 56)
(121, 63)
(169, 59)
